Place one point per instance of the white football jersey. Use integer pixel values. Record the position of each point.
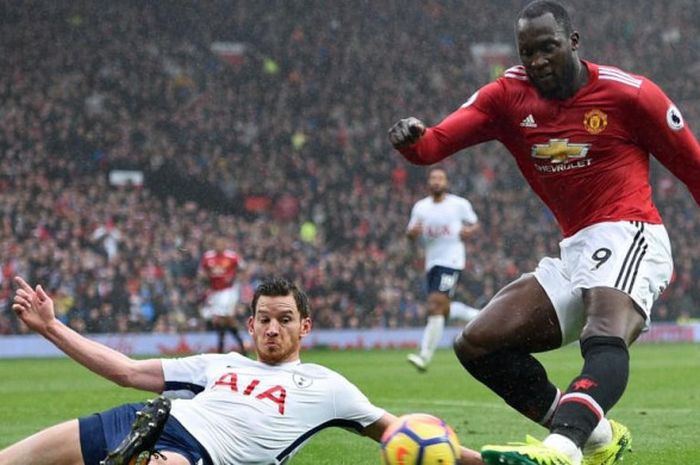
(442, 223)
(246, 412)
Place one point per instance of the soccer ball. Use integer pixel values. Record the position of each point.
(419, 439)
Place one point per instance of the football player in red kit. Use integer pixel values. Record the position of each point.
(219, 268)
(581, 134)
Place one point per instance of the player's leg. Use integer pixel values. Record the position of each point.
(441, 284)
(438, 309)
(220, 335)
(210, 316)
(221, 312)
(168, 458)
(216, 324)
(624, 267)
(218, 309)
(225, 302)
(462, 311)
(496, 347)
(533, 314)
(231, 323)
(619, 269)
(138, 444)
(613, 322)
(233, 328)
(57, 445)
(149, 436)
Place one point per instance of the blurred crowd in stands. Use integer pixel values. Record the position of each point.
(281, 147)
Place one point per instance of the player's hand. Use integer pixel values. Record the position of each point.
(469, 230)
(33, 306)
(406, 132)
(469, 457)
(415, 231)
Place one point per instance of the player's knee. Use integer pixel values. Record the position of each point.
(611, 313)
(438, 304)
(476, 339)
(466, 346)
(473, 358)
(627, 330)
(461, 348)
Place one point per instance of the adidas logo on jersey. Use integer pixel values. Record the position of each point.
(528, 122)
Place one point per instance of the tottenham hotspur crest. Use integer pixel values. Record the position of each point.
(302, 381)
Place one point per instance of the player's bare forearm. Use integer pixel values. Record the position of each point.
(470, 457)
(469, 231)
(146, 375)
(412, 235)
(376, 429)
(415, 231)
(36, 309)
(421, 145)
(405, 135)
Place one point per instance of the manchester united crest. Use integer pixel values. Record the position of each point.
(595, 121)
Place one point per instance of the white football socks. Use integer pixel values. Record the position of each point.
(461, 311)
(565, 445)
(601, 436)
(431, 336)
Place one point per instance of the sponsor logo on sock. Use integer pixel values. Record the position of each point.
(584, 384)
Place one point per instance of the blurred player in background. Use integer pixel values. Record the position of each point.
(442, 221)
(232, 410)
(581, 134)
(219, 269)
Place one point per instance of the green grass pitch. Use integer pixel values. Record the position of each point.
(661, 405)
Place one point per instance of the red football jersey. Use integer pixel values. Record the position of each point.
(586, 157)
(220, 267)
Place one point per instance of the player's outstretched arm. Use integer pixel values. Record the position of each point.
(35, 308)
(406, 132)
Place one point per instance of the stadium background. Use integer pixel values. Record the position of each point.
(132, 133)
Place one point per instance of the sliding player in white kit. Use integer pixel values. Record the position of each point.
(442, 221)
(236, 411)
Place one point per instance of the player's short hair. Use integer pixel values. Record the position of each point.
(542, 7)
(279, 287)
(437, 168)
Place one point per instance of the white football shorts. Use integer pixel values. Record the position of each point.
(631, 256)
(221, 303)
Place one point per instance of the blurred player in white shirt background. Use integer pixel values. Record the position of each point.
(442, 222)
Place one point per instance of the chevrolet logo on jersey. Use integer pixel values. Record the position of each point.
(560, 150)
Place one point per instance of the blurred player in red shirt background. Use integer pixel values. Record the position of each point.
(219, 269)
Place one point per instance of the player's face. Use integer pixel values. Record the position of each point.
(277, 329)
(437, 182)
(547, 53)
(220, 244)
